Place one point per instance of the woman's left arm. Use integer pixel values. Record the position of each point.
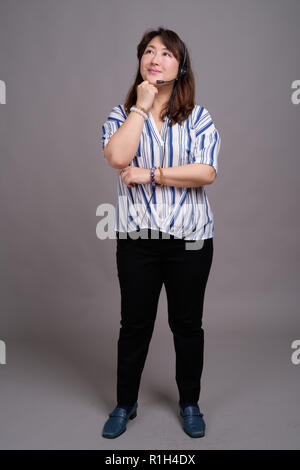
(191, 175)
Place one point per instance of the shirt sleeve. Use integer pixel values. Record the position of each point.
(208, 140)
(112, 124)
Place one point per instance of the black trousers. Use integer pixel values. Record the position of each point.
(144, 265)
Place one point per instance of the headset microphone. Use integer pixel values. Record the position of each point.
(165, 81)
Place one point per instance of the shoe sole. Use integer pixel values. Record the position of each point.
(117, 435)
(192, 435)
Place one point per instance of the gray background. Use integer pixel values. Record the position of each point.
(66, 63)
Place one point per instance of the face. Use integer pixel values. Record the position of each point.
(157, 57)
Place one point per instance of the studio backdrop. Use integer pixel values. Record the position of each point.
(64, 64)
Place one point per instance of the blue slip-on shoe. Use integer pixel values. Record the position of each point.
(193, 423)
(116, 424)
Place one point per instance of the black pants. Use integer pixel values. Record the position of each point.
(144, 265)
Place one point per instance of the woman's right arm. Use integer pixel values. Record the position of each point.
(123, 145)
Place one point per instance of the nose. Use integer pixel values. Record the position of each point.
(153, 61)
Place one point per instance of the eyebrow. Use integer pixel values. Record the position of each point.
(162, 47)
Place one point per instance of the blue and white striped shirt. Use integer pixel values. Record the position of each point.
(179, 211)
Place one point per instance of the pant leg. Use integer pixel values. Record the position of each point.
(140, 277)
(185, 277)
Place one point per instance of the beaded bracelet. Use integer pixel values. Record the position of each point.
(137, 110)
(153, 182)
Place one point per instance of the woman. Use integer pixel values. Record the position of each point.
(166, 149)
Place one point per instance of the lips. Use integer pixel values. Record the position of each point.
(153, 71)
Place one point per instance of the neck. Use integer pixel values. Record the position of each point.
(162, 97)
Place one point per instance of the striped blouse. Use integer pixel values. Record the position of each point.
(179, 211)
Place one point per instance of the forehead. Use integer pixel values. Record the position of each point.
(156, 43)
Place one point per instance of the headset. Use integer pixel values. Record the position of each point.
(181, 72)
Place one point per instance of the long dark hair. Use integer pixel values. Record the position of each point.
(184, 92)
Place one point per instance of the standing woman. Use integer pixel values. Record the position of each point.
(166, 150)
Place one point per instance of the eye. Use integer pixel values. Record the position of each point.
(150, 50)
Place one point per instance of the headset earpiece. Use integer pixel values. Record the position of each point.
(183, 70)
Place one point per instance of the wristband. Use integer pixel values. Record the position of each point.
(162, 179)
(142, 109)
